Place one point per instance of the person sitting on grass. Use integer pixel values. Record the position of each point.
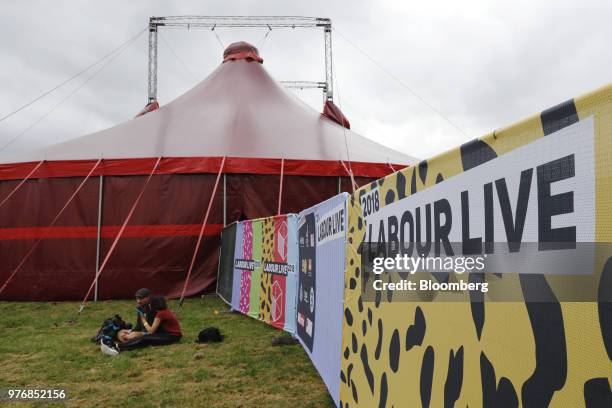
(143, 299)
(164, 330)
(125, 335)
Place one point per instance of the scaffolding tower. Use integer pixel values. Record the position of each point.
(269, 22)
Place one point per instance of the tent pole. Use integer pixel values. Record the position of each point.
(152, 61)
(329, 80)
(224, 200)
(99, 236)
(119, 234)
(280, 190)
(339, 184)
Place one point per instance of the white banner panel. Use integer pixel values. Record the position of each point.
(321, 239)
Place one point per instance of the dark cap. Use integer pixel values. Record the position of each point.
(142, 293)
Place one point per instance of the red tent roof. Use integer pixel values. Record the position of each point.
(238, 111)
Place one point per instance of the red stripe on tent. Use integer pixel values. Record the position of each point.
(27, 176)
(131, 231)
(59, 214)
(188, 165)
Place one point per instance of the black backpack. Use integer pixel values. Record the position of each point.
(109, 329)
(209, 335)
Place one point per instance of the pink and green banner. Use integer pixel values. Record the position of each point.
(265, 270)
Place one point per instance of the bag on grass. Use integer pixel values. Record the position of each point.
(209, 335)
(109, 329)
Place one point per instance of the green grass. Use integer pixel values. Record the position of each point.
(40, 348)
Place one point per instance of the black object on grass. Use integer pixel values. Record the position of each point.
(284, 341)
(209, 335)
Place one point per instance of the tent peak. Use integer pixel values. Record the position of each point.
(241, 50)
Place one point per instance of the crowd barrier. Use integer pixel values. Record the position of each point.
(544, 180)
(306, 252)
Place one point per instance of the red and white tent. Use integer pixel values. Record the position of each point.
(238, 116)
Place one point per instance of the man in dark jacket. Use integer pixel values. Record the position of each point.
(143, 306)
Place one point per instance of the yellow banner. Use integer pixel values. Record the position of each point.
(491, 354)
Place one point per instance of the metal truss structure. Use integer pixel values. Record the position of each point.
(269, 22)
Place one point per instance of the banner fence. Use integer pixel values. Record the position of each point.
(531, 202)
(263, 279)
(322, 234)
(542, 186)
(225, 275)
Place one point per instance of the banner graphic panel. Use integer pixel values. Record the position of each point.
(264, 263)
(321, 241)
(535, 198)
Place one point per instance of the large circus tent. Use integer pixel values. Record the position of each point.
(132, 199)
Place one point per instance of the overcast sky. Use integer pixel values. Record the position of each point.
(482, 64)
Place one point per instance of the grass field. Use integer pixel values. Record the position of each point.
(39, 348)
